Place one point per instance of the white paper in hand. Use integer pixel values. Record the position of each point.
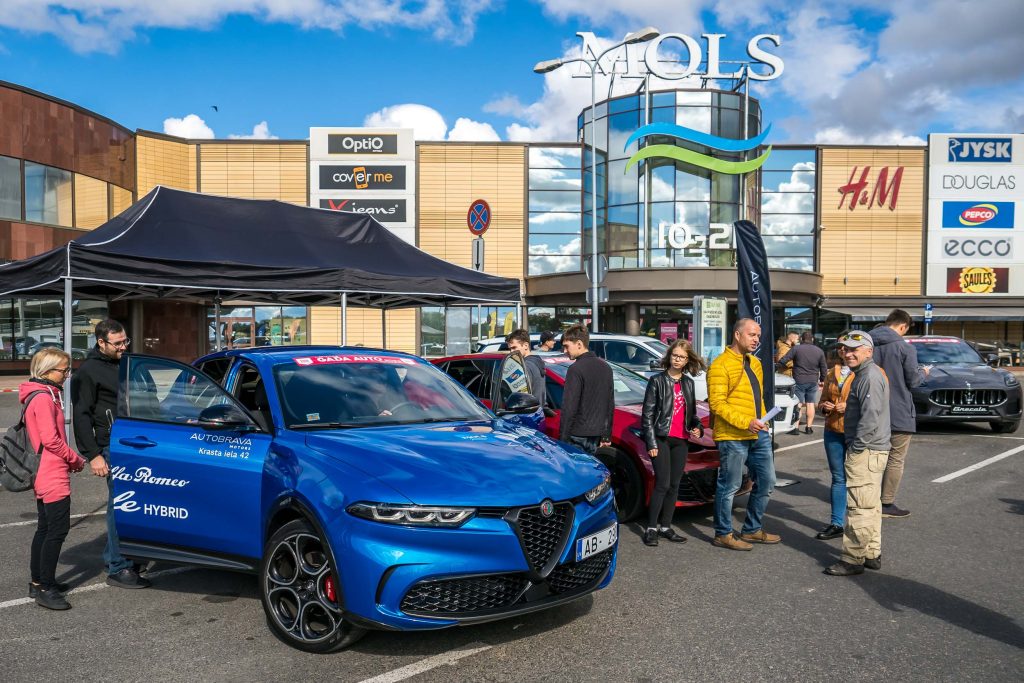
(771, 414)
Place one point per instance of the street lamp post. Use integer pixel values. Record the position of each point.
(640, 36)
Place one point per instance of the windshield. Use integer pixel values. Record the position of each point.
(629, 386)
(368, 391)
(938, 351)
(658, 345)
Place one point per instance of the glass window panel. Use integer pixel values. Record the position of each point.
(432, 331)
(601, 109)
(792, 263)
(796, 180)
(623, 104)
(10, 188)
(555, 179)
(664, 99)
(725, 188)
(787, 202)
(620, 127)
(789, 159)
(663, 115)
(727, 124)
(663, 181)
(91, 209)
(787, 224)
(693, 186)
(542, 265)
(727, 101)
(554, 200)
(697, 118)
(554, 157)
(456, 325)
(725, 213)
(790, 245)
(622, 183)
(120, 199)
(693, 214)
(699, 98)
(554, 244)
(294, 324)
(47, 194)
(555, 222)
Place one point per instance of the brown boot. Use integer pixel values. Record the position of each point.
(761, 536)
(731, 542)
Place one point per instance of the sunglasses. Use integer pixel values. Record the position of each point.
(853, 336)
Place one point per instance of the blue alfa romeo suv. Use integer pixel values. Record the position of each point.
(366, 489)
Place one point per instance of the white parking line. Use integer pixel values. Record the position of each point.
(32, 521)
(978, 466)
(799, 445)
(95, 586)
(429, 663)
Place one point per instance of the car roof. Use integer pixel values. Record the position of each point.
(278, 354)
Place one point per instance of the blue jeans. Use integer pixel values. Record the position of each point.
(835, 452)
(733, 455)
(112, 556)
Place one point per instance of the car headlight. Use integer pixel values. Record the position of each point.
(1010, 379)
(412, 515)
(598, 491)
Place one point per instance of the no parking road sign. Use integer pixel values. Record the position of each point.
(479, 217)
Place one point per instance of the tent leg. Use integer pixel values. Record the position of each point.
(216, 324)
(344, 319)
(67, 350)
(383, 328)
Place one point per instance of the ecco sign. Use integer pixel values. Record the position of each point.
(384, 143)
(629, 62)
(990, 247)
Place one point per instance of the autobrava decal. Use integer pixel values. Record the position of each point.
(696, 158)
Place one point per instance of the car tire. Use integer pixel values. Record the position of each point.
(1005, 427)
(628, 486)
(299, 591)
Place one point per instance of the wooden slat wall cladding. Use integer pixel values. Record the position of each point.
(254, 171)
(363, 327)
(164, 162)
(451, 177)
(865, 250)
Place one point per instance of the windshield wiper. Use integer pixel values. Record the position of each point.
(327, 425)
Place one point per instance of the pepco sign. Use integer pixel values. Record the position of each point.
(980, 214)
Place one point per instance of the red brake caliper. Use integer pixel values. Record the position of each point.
(329, 588)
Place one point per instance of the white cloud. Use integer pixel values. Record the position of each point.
(104, 25)
(560, 259)
(838, 135)
(261, 131)
(677, 16)
(474, 131)
(426, 122)
(191, 126)
(506, 105)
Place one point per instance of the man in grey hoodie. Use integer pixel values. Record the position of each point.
(867, 449)
(899, 360)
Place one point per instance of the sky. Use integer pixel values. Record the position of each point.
(858, 71)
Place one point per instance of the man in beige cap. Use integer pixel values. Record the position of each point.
(867, 450)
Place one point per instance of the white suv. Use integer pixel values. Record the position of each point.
(643, 355)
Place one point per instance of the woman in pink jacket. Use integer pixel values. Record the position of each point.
(44, 423)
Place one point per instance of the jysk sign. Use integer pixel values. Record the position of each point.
(975, 204)
(362, 177)
(384, 210)
(362, 144)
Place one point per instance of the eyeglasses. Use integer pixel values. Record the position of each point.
(678, 357)
(63, 371)
(123, 344)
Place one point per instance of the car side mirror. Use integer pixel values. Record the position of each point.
(992, 359)
(224, 417)
(519, 404)
(655, 364)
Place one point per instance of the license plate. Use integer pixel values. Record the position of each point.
(595, 543)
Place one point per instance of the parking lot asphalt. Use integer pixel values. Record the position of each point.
(947, 605)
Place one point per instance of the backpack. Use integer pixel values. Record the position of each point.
(18, 462)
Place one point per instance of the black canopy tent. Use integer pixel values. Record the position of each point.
(174, 244)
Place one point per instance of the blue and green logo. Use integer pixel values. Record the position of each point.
(696, 158)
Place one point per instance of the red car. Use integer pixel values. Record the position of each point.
(484, 374)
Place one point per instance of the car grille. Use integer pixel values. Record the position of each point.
(568, 577)
(460, 596)
(541, 536)
(968, 397)
(698, 486)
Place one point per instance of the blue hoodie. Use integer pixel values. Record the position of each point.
(899, 360)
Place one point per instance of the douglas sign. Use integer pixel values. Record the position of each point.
(629, 62)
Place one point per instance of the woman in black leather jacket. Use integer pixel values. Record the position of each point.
(669, 414)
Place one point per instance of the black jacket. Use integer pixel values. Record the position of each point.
(94, 392)
(808, 363)
(657, 412)
(588, 399)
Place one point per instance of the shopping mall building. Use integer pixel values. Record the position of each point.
(850, 231)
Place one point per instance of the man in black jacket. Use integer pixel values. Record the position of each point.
(588, 398)
(94, 390)
(809, 372)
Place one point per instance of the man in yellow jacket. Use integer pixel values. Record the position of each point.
(735, 394)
